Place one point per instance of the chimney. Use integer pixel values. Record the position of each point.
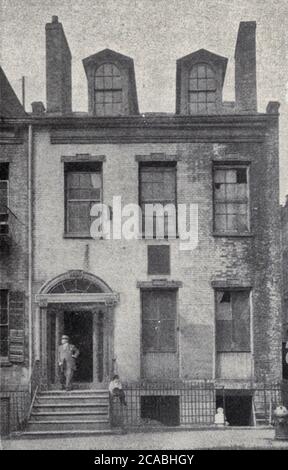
(245, 68)
(58, 69)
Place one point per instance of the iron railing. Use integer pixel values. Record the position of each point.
(165, 403)
(185, 403)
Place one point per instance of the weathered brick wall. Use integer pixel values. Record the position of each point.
(250, 260)
(14, 265)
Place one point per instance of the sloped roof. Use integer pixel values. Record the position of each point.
(10, 105)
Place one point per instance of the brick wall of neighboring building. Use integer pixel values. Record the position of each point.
(14, 262)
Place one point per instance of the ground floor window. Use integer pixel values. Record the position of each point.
(233, 321)
(159, 320)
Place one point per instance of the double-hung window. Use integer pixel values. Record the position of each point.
(83, 189)
(231, 199)
(158, 199)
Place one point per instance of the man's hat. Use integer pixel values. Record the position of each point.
(65, 337)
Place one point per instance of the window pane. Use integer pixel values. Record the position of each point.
(99, 83)
(108, 109)
(202, 84)
(117, 108)
(117, 83)
(99, 96)
(193, 84)
(220, 223)
(108, 83)
(211, 84)
(219, 176)
(202, 107)
(201, 71)
(201, 97)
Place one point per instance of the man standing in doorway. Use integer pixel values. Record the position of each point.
(68, 354)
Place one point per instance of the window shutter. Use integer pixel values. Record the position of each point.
(16, 326)
(223, 322)
(241, 321)
(167, 317)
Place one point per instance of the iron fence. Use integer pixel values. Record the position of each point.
(169, 403)
(187, 403)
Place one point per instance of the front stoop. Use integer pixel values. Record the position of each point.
(61, 413)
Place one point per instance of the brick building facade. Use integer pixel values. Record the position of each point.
(144, 307)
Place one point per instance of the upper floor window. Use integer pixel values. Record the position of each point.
(4, 191)
(108, 90)
(158, 199)
(231, 199)
(202, 89)
(83, 189)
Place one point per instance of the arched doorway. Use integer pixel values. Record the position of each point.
(81, 306)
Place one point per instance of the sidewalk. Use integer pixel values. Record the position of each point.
(192, 439)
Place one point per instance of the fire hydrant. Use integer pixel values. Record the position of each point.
(281, 423)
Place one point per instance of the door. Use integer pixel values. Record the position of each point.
(79, 327)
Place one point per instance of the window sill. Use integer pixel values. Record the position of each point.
(232, 235)
(80, 235)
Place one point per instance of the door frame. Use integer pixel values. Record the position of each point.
(105, 302)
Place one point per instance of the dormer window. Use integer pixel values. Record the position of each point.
(108, 90)
(202, 89)
(111, 84)
(199, 83)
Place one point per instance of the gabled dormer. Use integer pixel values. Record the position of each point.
(199, 83)
(111, 84)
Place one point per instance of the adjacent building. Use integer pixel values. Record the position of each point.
(166, 318)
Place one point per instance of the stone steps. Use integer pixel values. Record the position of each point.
(57, 412)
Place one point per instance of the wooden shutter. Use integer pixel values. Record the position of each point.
(223, 321)
(16, 326)
(241, 321)
(159, 320)
(158, 259)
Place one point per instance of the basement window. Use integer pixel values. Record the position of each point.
(163, 409)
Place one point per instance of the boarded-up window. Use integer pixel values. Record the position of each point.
(231, 199)
(158, 186)
(83, 189)
(4, 192)
(4, 324)
(159, 320)
(158, 259)
(233, 321)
